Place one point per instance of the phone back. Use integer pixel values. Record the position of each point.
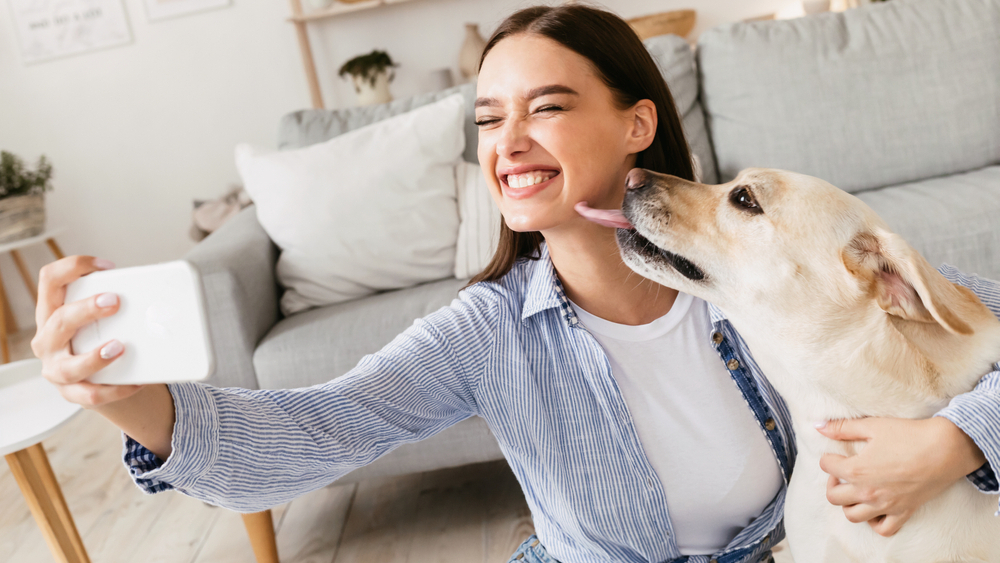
(161, 321)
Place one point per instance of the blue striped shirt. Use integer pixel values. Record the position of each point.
(514, 353)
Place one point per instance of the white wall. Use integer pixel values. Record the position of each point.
(138, 131)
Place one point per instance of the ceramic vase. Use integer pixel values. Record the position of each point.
(472, 49)
(369, 95)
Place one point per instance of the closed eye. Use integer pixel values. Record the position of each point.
(743, 199)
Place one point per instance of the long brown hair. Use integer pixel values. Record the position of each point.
(625, 66)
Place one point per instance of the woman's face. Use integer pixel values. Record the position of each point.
(550, 133)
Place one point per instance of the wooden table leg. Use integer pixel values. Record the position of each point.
(260, 528)
(29, 281)
(34, 475)
(54, 248)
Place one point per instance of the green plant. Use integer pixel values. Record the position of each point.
(368, 67)
(16, 179)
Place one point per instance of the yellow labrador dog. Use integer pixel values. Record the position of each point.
(846, 320)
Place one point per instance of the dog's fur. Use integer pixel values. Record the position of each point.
(845, 319)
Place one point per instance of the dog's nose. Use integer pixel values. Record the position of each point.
(637, 179)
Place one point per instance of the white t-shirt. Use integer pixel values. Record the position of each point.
(716, 466)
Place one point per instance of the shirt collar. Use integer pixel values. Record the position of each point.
(545, 291)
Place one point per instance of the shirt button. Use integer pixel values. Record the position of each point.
(717, 337)
(649, 482)
(733, 364)
(769, 424)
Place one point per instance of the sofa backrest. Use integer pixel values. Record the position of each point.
(880, 95)
(673, 56)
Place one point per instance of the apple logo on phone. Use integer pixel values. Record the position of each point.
(159, 319)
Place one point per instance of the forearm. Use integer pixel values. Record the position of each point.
(147, 417)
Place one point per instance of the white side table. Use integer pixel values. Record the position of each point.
(7, 322)
(31, 410)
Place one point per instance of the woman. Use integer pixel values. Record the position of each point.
(556, 345)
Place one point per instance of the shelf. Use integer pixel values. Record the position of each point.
(340, 8)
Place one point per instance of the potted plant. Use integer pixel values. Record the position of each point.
(22, 197)
(371, 75)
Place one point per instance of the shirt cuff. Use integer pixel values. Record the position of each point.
(194, 445)
(975, 414)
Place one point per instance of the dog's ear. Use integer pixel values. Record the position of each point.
(904, 283)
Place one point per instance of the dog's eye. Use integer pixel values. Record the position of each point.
(743, 198)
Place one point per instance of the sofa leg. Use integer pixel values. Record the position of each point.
(260, 528)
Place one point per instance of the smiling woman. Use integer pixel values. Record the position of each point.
(634, 416)
(606, 63)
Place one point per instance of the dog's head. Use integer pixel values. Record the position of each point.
(774, 242)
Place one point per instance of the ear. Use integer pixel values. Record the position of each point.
(643, 126)
(904, 283)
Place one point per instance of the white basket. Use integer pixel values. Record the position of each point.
(21, 217)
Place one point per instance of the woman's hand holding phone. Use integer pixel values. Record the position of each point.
(58, 322)
(145, 412)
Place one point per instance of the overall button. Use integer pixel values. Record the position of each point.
(769, 424)
(733, 364)
(717, 337)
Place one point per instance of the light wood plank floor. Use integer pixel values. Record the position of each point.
(460, 515)
(473, 513)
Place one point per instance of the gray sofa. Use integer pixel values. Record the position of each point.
(896, 102)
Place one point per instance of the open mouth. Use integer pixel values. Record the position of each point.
(631, 241)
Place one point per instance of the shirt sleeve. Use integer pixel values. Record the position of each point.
(977, 412)
(248, 450)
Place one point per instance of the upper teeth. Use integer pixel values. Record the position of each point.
(529, 178)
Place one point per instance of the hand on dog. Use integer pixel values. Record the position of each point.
(903, 464)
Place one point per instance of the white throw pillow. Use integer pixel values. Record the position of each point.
(479, 229)
(370, 210)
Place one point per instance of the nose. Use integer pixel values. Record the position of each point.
(637, 179)
(513, 139)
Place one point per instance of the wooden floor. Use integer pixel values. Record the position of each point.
(468, 514)
(474, 513)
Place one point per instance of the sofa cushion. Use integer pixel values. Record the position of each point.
(676, 61)
(949, 220)
(325, 343)
(880, 95)
(309, 126)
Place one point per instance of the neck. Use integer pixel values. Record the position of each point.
(588, 263)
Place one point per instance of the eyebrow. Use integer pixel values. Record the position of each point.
(532, 94)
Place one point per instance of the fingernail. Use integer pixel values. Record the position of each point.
(102, 264)
(107, 300)
(112, 349)
(820, 424)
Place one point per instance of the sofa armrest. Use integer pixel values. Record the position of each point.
(236, 264)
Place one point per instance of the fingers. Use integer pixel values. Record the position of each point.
(888, 525)
(65, 321)
(67, 369)
(92, 394)
(850, 429)
(842, 467)
(54, 277)
(858, 513)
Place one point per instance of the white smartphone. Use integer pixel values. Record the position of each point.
(161, 321)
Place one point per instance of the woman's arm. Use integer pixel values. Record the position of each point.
(250, 449)
(905, 463)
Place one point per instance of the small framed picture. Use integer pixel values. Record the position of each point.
(163, 9)
(47, 29)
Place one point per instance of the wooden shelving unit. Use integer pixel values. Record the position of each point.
(301, 20)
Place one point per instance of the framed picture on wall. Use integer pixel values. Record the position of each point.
(47, 29)
(163, 9)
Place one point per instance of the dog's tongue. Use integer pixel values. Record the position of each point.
(608, 217)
